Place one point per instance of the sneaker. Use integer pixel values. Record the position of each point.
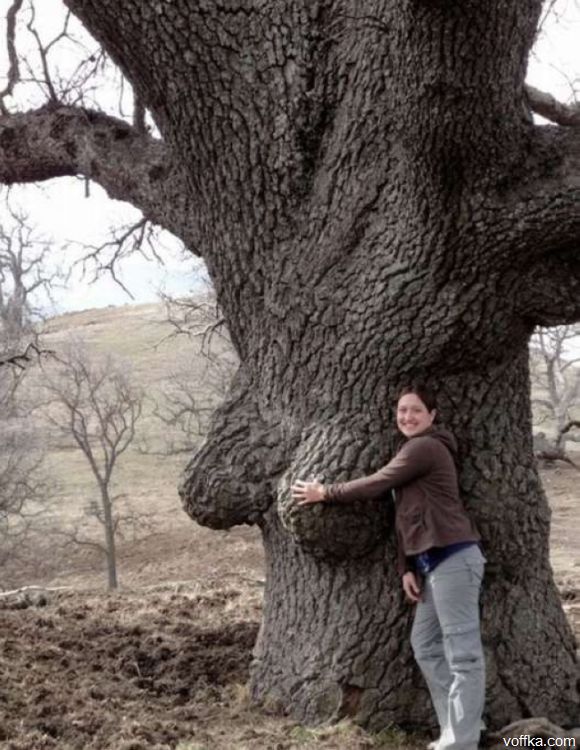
(434, 743)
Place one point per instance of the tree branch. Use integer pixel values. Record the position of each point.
(130, 165)
(551, 290)
(544, 207)
(551, 109)
(21, 360)
(569, 426)
(13, 70)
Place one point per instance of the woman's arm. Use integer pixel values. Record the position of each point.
(412, 461)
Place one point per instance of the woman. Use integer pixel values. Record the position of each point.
(439, 560)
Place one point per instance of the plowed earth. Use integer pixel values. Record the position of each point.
(125, 672)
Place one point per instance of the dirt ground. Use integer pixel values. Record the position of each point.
(164, 663)
(145, 670)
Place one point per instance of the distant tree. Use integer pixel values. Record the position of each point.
(94, 402)
(195, 388)
(23, 484)
(556, 375)
(23, 273)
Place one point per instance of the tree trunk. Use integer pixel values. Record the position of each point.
(374, 205)
(110, 547)
(335, 636)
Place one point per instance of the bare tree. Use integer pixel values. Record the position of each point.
(93, 402)
(24, 273)
(556, 375)
(24, 485)
(198, 385)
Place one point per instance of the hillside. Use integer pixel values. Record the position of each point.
(140, 336)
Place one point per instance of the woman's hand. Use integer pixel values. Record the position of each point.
(308, 492)
(411, 587)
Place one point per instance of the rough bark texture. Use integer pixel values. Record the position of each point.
(374, 204)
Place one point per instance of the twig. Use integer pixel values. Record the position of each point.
(567, 427)
(126, 240)
(17, 360)
(13, 70)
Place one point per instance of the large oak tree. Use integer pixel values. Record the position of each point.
(374, 204)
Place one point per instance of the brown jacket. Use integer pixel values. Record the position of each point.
(429, 511)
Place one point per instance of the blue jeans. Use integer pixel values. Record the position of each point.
(446, 641)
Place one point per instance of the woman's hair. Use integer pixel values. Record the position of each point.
(423, 392)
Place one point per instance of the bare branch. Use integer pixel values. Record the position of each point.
(546, 13)
(570, 425)
(72, 537)
(131, 166)
(139, 237)
(547, 106)
(30, 354)
(13, 70)
(556, 454)
(43, 53)
(197, 317)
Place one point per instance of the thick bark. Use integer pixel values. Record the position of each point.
(334, 639)
(368, 188)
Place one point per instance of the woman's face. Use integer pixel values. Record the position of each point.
(413, 417)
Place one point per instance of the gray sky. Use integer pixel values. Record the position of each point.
(64, 216)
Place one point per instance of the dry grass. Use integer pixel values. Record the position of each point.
(145, 480)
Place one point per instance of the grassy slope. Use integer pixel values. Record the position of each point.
(148, 481)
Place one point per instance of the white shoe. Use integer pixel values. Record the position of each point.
(434, 743)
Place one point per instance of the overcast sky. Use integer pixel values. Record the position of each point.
(68, 219)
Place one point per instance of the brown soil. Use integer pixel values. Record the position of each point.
(125, 671)
(145, 671)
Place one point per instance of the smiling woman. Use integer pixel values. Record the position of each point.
(439, 560)
(415, 411)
